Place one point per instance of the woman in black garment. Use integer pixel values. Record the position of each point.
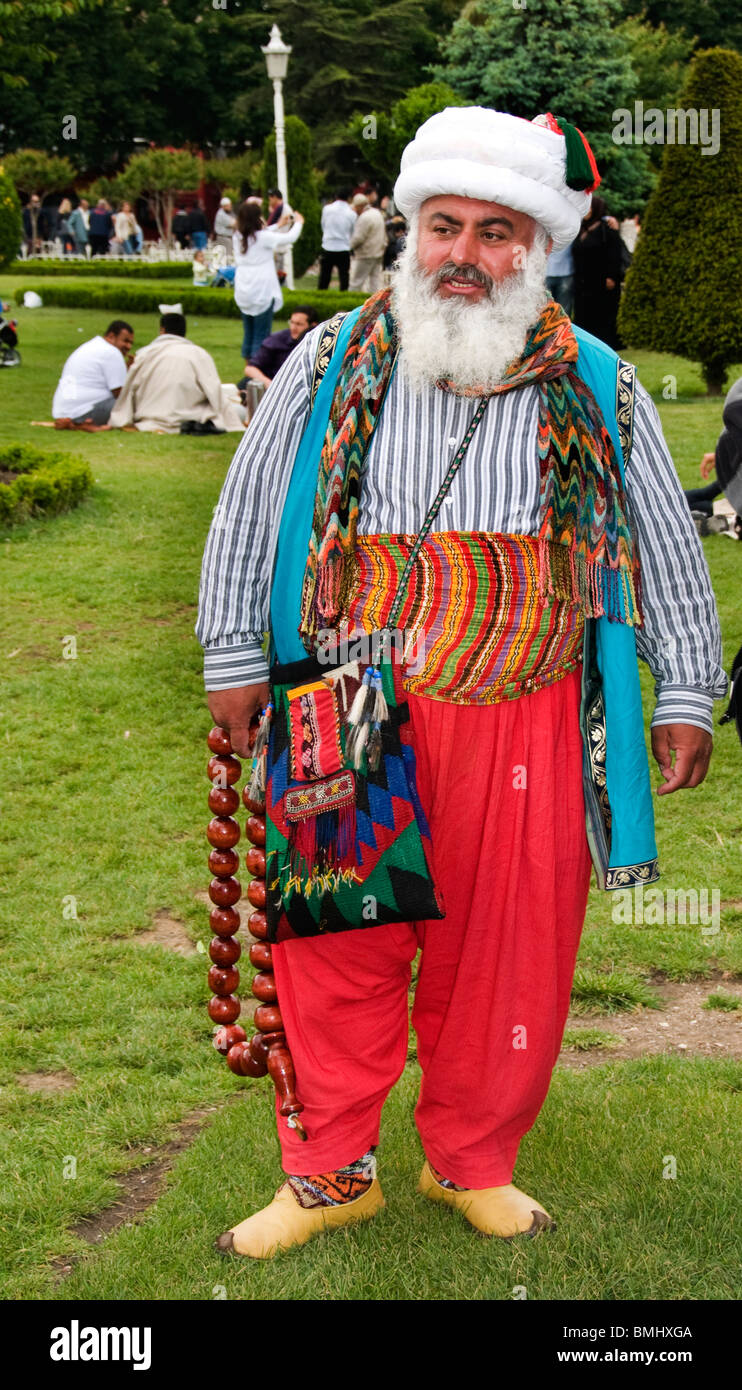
(598, 270)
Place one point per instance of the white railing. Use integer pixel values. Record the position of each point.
(152, 253)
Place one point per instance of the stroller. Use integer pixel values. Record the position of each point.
(9, 354)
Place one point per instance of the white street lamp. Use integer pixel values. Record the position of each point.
(277, 61)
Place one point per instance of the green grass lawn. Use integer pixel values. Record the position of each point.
(104, 802)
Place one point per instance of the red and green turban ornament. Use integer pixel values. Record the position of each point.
(582, 171)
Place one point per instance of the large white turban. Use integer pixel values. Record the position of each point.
(477, 153)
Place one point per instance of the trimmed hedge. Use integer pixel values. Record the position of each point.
(47, 483)
(104, 270)
(135, 299)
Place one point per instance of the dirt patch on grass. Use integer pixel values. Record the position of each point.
(168, 932)
(48, 1083)
(174, 615)
(682, 1027)
(140, 1188)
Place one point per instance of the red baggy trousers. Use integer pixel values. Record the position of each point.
(502, 786)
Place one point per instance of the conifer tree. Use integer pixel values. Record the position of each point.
(684, 290)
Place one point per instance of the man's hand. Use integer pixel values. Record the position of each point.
(255, 374)
(234, 709)
(708, 464)
(692, 748)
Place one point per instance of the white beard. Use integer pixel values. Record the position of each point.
(454, 340)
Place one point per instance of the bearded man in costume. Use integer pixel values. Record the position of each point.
(528, 603)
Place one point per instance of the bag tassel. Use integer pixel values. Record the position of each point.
(256, 789)
(367, 713)
(323, 844)
(373, 748)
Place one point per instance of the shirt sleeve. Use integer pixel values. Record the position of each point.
(114, 370)
(680, 638)
(234, 598)
(276, 237)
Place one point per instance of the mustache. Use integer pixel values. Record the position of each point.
(471, 273)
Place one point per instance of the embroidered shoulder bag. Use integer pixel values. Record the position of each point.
(347, 841)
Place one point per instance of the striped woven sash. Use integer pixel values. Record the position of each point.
(474, 628)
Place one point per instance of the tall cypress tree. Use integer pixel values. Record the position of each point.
(684, 289)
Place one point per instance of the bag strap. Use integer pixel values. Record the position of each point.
(433, 511)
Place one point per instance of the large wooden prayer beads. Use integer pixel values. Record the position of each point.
(266, 1051)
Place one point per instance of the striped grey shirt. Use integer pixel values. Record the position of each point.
(496, 490)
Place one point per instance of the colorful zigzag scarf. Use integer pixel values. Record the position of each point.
(582, 500)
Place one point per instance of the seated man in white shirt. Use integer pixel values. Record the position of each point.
(174, 388)
(92, 378)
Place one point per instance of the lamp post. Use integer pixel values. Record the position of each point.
(277, 61)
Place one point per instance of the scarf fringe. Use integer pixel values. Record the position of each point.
(601, 590)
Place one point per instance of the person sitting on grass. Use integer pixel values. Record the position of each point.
(92, 378)
(726, 460)
(274, 349)
(174, 387)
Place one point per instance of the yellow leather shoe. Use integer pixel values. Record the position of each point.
(284, 1223)
(494, 1211)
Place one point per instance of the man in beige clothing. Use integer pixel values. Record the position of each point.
(173, 382)
(367, 245)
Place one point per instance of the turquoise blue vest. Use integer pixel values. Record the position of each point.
(618, 795)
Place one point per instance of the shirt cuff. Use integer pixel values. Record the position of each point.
(684, 704)
(226, 668)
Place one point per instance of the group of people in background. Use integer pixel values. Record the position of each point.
(82, 230)
(176, 387)
(361, 237)
(171, 385)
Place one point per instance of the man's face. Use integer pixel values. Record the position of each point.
(84, 204)
(35, 201)
(298, 324)
(466, 245)
(124, 341)
(273, 202)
